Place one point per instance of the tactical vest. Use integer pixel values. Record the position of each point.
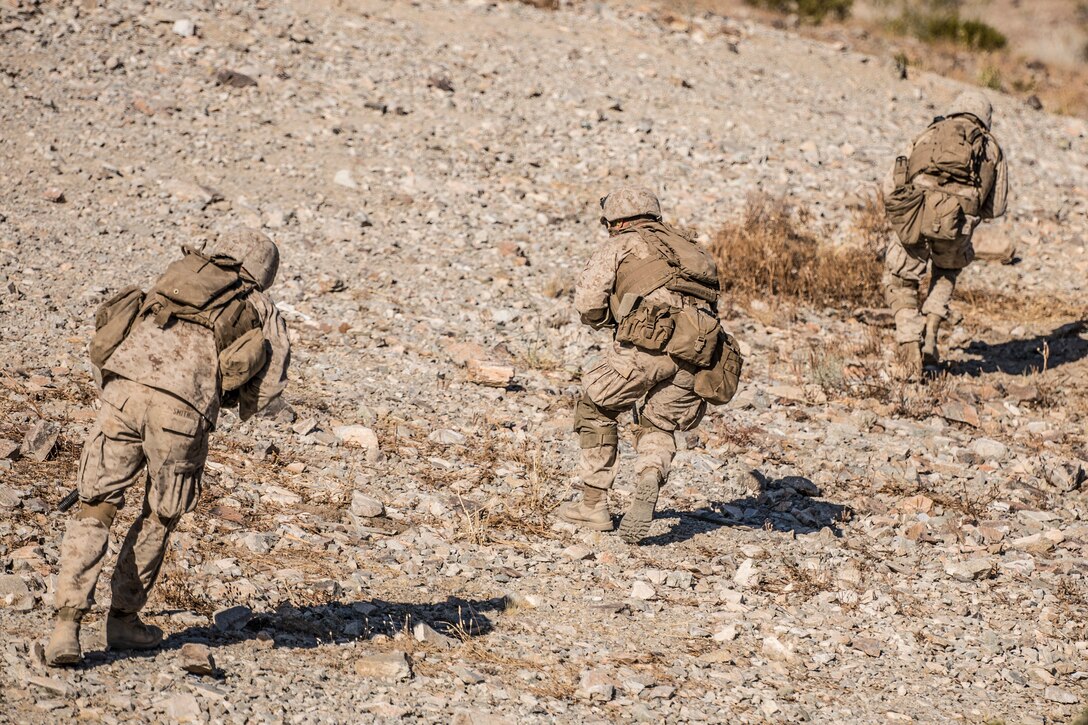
(678, 265)
(675, 263)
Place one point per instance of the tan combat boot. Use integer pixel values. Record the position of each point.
(635, 524)
(930, 355)
(589, 513)
(63, 646)
(908, 359)
(124, 630)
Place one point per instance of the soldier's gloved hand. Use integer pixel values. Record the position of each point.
(230, 399)
(598, 318)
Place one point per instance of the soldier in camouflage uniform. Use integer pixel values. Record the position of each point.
(980, 191)
(628, 375)
(164, 384)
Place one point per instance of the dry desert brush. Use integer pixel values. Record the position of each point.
(773, 252)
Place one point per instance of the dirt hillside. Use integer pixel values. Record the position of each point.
(833, 546)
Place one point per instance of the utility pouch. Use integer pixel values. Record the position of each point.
(717, 384)
(694, 337)
(903, 208)
(648, 327)
(243, 359)
(942, 216)
(112, 323)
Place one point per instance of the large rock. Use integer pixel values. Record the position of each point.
(392, 666)
(14, 593)
(365, 506)
(359, 436)
(40, 440)
(232, 619)
(197, 659)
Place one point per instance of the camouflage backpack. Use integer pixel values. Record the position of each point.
(951, 153)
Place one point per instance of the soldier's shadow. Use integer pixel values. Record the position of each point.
(1061, 346)
(783, 504)
(334, 623)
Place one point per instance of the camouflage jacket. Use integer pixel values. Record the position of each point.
(181, 359)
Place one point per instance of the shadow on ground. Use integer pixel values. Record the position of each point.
(335, 622)
(782, 504)
(1061, 346)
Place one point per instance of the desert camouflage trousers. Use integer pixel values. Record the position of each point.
(903, 273)
(140, 434)
(618, 380)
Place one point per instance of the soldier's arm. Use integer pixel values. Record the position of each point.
(996, 202)
(595, 285)
(263, 388)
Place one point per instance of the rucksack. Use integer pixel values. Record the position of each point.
(951, 149)
(208, 290)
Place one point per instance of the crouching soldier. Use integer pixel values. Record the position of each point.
(657, 291)
(953, 176)
(204, 336)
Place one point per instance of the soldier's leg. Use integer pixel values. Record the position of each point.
(902, 275)
(176, 446)
(948, 260)
(613, 383)
(598, 438)
(110, 462)
(672, 405)
(942, 284)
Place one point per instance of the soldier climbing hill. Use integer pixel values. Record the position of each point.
(953, 177)
(657, 291)
(204, 336)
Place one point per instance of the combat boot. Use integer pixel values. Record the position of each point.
(635, 524)
(124, 630)
(591, 512)
(63, 646)
(930, 355)
(909, 361)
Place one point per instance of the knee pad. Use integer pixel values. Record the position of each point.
(646, 426)
(101, 512)
(595, 426)
(900, 294)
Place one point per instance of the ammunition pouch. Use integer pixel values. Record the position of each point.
(648, 327)
(942, 216)
(717, 383)
(694, 336)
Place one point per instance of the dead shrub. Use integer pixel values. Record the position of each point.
(772, 252)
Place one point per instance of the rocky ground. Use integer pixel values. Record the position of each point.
(833, 546)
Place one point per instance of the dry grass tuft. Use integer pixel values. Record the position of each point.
(772, 252)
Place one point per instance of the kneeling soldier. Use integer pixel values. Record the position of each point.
(658, 292)
(204, 336)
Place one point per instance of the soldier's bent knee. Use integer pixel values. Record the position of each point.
(101, 512)
(595, 426)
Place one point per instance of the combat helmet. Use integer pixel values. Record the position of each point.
(629, 202)
(259, 255)
(974, 103)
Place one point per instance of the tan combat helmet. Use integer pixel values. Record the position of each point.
(974, 103)
(629, 202)
(259, 255)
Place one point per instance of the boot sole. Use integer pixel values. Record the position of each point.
(64, 659)
(635, 524)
